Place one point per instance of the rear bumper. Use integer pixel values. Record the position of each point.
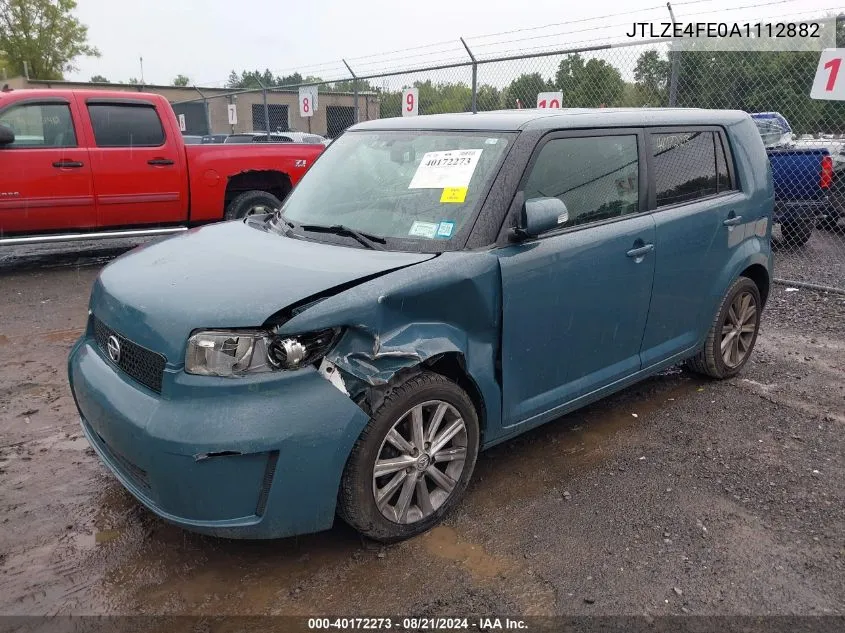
(800, 210)
(240, 460)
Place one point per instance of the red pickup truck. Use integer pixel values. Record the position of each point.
(79, 164)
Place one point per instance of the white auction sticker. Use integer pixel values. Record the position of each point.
(424, 229)
(439, 170)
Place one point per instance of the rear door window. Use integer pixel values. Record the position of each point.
(126, 125)
(685, 166)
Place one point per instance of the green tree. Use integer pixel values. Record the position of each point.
(181, 81)
(99, 79)
(488, 98)
(45, 35)
(589, 84)
(652, 78)
(525, 88)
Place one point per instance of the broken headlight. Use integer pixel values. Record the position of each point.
(239, 352)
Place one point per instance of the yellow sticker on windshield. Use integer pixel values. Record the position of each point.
(454, 194)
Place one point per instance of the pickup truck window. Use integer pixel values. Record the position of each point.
(126, 125)
(685, 166)
(40, 125)
(596, 177)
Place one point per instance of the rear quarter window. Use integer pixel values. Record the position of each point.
(126, 125)
(689, 165)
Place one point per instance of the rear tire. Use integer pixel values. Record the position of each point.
(252, 203)
(732, 334)
(404, 496)
(796, 233)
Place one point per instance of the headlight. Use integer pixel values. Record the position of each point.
(239, 352)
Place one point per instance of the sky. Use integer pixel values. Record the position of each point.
(206, 39)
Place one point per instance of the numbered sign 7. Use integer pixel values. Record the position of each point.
(410, 102)
(829, 82)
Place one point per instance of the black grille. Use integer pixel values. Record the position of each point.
(138, 362)
(133, 472)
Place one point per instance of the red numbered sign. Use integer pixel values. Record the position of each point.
(549, 99)
(307, 101)
(829, 82)
(410, 102)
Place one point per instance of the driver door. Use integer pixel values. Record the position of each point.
(575, 301)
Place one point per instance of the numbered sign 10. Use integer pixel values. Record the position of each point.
(410, 102)
(829, 82)
(550, 100)
(307, 101)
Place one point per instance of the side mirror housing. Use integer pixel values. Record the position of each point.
(7, 135)
(540, 215)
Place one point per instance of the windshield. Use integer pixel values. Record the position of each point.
(421, 185)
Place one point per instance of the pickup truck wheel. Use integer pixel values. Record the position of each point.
(413, 461)
(732, 334)
(252, 203)
(796, 233)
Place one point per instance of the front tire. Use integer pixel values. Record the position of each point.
(412, 463)
(252, 203)
(732, 334)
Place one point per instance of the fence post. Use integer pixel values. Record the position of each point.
(354, 88)
(207, 113)
(673, 76)
(474, 77)
(266, 109)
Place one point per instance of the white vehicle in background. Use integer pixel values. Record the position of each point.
(277, 137)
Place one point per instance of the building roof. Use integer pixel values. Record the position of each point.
(540, 119)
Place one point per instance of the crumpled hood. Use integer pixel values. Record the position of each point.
(222, 276)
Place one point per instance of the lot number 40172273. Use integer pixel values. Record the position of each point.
(829, 82)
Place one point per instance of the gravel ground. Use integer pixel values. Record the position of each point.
(679, 496)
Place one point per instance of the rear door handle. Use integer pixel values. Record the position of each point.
(640, 251)
(159, 161)
(733, 220)
(68, 164)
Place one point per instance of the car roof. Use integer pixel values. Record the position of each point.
(541, 119)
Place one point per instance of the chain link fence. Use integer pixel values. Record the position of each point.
(805, 138)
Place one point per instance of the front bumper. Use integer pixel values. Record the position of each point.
(257, 457)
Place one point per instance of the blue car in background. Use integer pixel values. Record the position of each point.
(432, 287)
(803, 177)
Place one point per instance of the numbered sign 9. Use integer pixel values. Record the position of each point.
(307, 101)
(829, 82)
(410, 102)
(549, 99)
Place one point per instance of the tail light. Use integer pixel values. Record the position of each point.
(826, 178)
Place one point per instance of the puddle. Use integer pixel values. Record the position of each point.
(445, 543)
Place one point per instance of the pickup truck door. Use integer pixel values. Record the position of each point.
(575, 301)
(45, 174)
(138, 161)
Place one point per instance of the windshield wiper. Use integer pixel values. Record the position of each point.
(373, 242)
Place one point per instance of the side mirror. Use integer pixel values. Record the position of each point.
(540, 215)
(7, 135)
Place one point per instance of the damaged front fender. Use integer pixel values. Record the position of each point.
(410, 318)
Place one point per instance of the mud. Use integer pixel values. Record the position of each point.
(732, 493)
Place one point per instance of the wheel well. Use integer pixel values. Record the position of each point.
(453, 367)
(274, 182)
(760, 276)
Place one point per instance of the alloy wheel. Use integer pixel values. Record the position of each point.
(738, 329)
(420, 462)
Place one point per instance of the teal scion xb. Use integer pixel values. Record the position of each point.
(432, 287)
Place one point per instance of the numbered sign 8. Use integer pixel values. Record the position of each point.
(829, 82)
(307, 101)
(410, 102)
(550, 100)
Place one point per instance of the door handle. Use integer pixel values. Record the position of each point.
(733, 220)
(159, 161)
(640, 251)
(68, 164)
